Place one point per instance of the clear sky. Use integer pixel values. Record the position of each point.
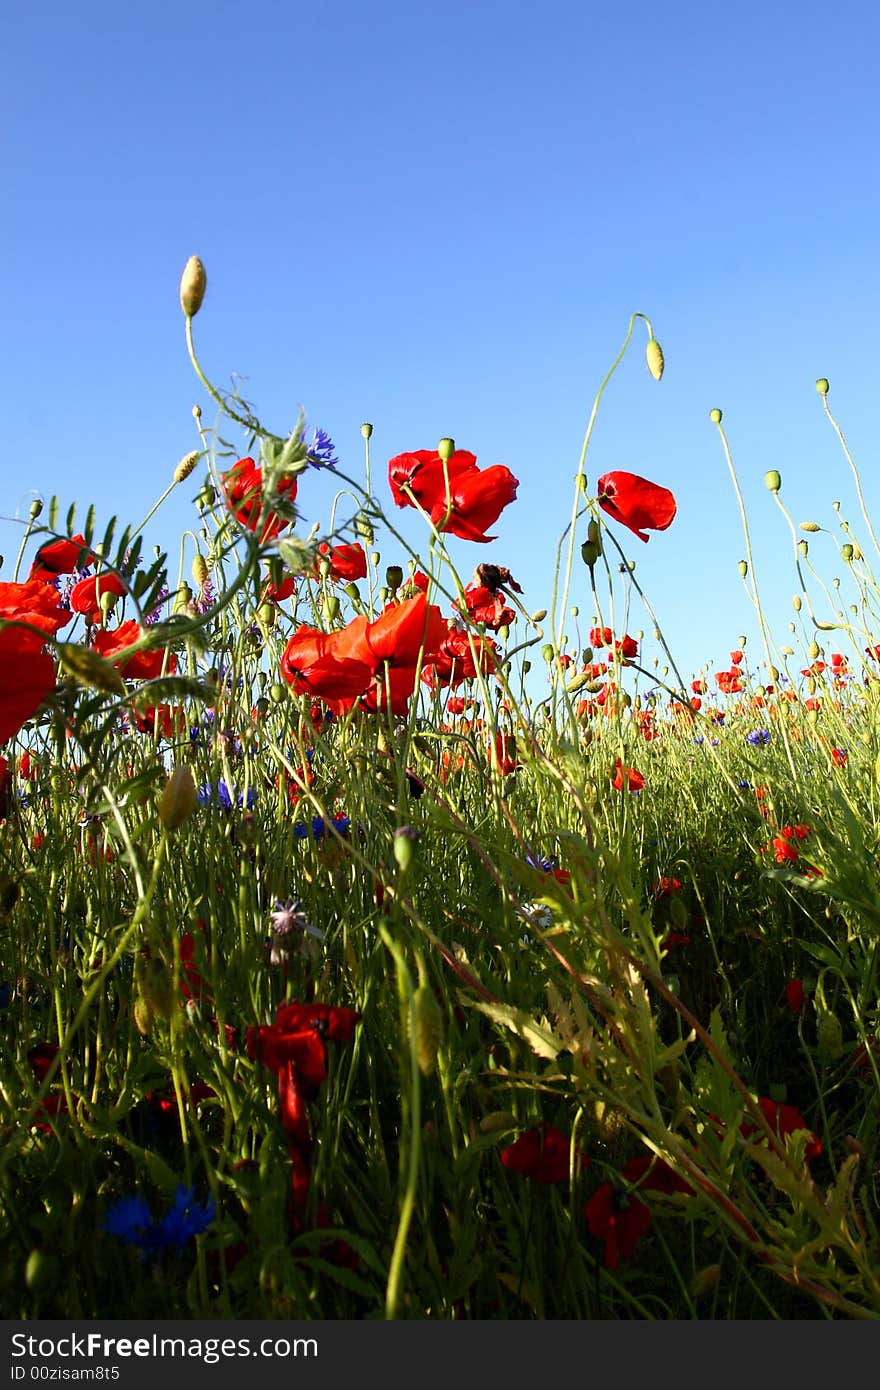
(440, 219)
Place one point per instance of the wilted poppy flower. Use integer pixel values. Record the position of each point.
(486, 606)
(458, 496)
(60, 557)
(243, 489)
(619, 1219)
(542, 1154)
(636, 503)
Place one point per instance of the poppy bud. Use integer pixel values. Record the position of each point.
(363, 527)
(678, 914)
(796, 603)
(143, 1016)
(41, 1271)
(277, 692)
(743, 569)
(846, 552)
(182, 598)
(199, 569)
(815, 650)
(156, 985)
(589, 553)
(331, 607)
(829, 1034)
(654, 358)
(497, 1120)
(429, 1028)
(538, 616)
(394, 577)
(527, 666)
(822, 386)
(715, 416)
(705, 1280)
(366, 429)
(186, 466)
(803, 547)
(404, 846)
(178, 799)
(266, 614)
(547, 652)
(446, 448)
(193, 284)
(772, 480)
(90, 668)
(810, 526)
(594, 533)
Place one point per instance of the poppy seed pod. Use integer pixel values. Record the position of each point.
(822, 386)
(193, 283)
(715, 416)
(772, 480)
(446, 448)
(394, 577)
(366, 429)
(654, 358)
(404, 846)
(743, 568)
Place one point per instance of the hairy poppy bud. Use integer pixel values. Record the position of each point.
(156, 985)
(772, 480)
(199, 569)
(538, 616)
(654, 358)
(846, 552)
(822, 386)
(810, 526)
(429, 1028)
(143, 1016)
(41, 1271)
(90, 668)
(829, 1034)
(186, 466)
(364, 529)
(715, 416)
(193, 284)
(178, 799)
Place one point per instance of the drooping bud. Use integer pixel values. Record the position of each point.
(193, 283)
(590, 553)
(829, 1034)
(178, 799)
(811, 526)
(199, 569)
(772, 480)
(654, 358)
(428, 1028)
(90, 668)
(186, 466)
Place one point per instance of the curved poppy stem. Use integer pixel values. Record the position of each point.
(578, 487)
(855, 472)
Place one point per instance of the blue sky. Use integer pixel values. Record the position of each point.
(440, 219)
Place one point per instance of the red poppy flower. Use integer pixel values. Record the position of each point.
(839, 757)
(736, 658)
(783, 1120)
(486, 606)
(85, 597)
(794, 995)
(620, 1219)
(653, 1173)
(636, 503)
(628, 647)
(60, 557)
(167, 720)
(502, 753)
(634, 779)
(145, 665)
(458, 496)
(27, 672)
(276, 593)
(243, 489)
(601, 636)
(542, 1154)
(347, 562)
(458, 658)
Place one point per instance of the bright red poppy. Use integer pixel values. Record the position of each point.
(542, 1154)
(486, 606)
(636, 503)
(458, 658)
(348, 562)
(243, 489)
(145, 665)
(633, 779)
(85, 597)
(27, 672)
(60, 557)
(458, 496)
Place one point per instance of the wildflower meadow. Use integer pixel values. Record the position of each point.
(379, 939)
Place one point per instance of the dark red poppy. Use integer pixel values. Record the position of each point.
(636, 503)
(85, 597)
(619, 1219)
(60, 557)
(458, 496)
(794, 995)
(144, 665)
(783, 1119)
(542, 1154)
(243, 489)
(655, 1175)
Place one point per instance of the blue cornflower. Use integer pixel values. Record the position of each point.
(225, 796)
(184, 1219)
(320, 450)
(340, 825)
(758, 738)
(699, 740)
(540, 861)
(744, 786)
(128, 1219)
